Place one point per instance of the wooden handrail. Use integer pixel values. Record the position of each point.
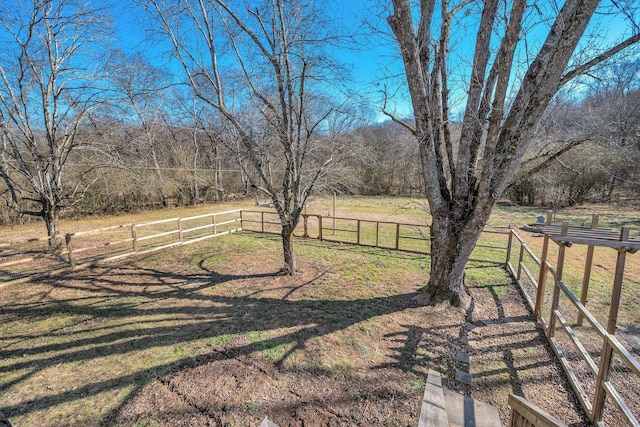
(610, 344)
(526, 414)
(160, 221)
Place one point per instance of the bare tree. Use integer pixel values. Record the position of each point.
(206, 138)
(260, 67)
(465, 178)
(47, 90)
(142, 94)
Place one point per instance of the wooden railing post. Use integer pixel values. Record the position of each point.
(543, 272)
(357, 232)
(180, 236)
(617, 283)
(72, 258)
(587, 273)
(377, 234)
(262, 221)
(600, 395)
(397, 236)
(556, 288)
(241, 223)
(509, 243)
(520, 258)
(526, 414)
(215, 225)
(320, 227)
(134, 238)
(305, 221)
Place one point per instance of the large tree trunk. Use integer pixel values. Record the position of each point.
(290, 263)
(51, 216)
(451, 247)
(462, 185)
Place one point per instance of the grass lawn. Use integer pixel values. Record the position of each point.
(208, 333)
(76, 347)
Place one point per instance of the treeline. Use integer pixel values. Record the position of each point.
(86, 128)
(129, 167)
(584, 152)
(587, 151)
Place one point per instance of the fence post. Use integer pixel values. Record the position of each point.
(556, 288)
(320, 227)
(358, 232)
(262, 221)
(543, 272)
(397, 236)
(587, 273)
(509, 243)
(520, 257)
(215, 226)
(180, 230)
(72, 258)
(134, 237)
(241, 218)
(334, 213)
(607, 351)
(377, 234)
(305, 218)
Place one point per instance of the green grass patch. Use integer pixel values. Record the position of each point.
(75, 347)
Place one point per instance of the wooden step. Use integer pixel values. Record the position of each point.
(433, 412)
(463, 411)
(446, 408)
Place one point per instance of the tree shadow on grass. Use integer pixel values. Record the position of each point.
(111, 316)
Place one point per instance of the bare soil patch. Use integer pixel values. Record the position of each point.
(210, 335)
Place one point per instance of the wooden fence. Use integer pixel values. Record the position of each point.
(138, 239)
(85, 248)
(20, 263)
(20, 260)
(599, 367)
(597, 364)
(406, 237)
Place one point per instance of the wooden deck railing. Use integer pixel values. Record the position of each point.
(526, 414)
(590, 375)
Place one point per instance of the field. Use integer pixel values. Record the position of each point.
(209, 334)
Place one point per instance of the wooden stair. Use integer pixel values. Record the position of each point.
(446, 408)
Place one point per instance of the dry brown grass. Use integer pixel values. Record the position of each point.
(98, 346)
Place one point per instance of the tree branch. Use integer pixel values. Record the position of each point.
(395, 118)
(598, 59)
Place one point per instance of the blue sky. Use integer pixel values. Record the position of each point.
(376, 60)
(369, 64)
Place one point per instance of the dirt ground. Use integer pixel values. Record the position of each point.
(209, 334)
(335, 381)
